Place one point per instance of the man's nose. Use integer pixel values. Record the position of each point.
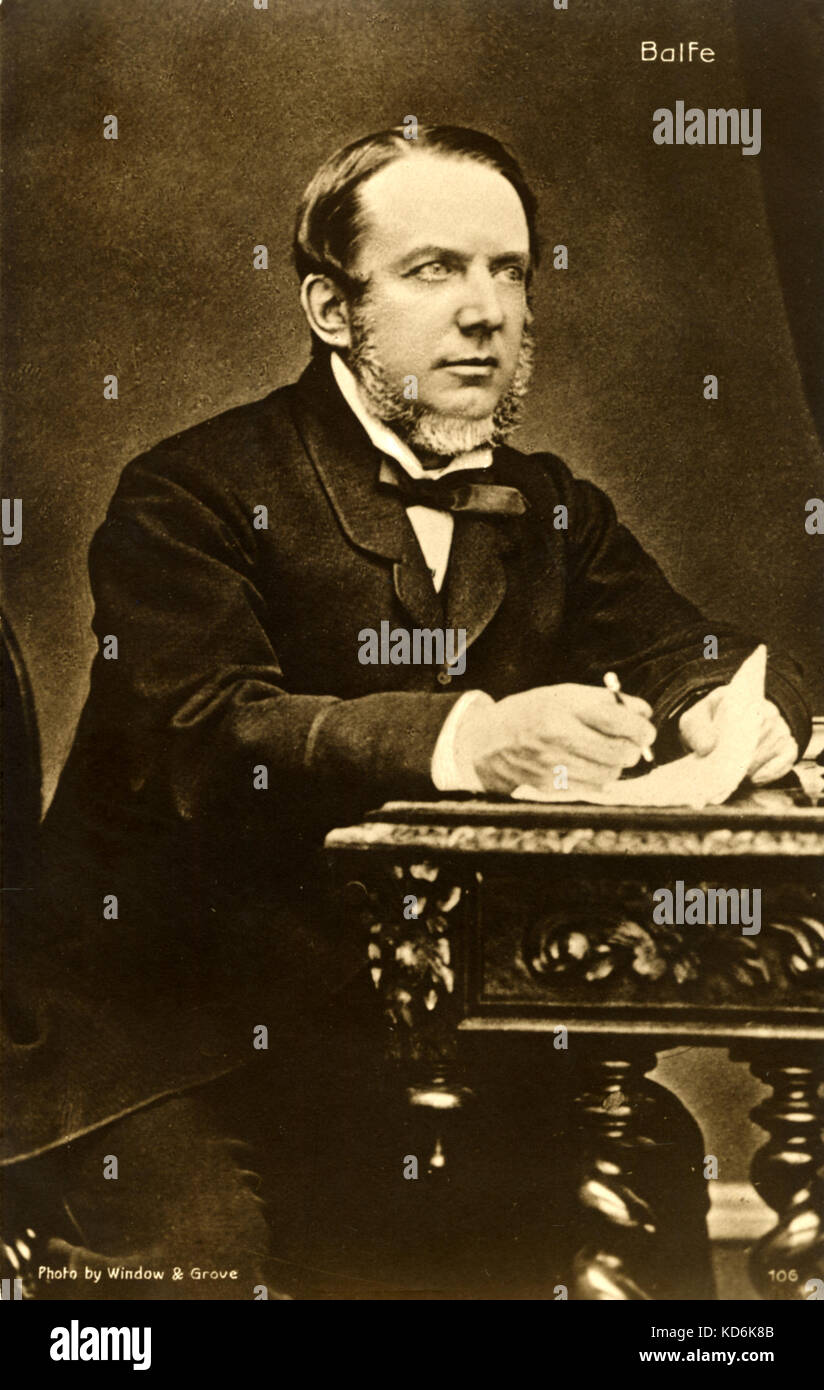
(480, 303)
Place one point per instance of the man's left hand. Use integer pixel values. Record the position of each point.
(777, 750)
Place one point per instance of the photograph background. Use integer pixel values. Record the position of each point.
(134, 257)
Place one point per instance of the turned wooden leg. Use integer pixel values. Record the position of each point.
(437, 1102)
(620, 1226)
(788, 1172)
(642, 1189)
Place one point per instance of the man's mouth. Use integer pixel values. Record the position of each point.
(471, 366)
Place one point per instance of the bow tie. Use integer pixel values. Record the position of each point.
(448, 494)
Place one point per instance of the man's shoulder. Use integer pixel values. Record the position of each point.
(233, 436)
(549, 483)
(537, 471)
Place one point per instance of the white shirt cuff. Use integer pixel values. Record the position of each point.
(446, 774)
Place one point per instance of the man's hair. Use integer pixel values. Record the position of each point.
(329, 219)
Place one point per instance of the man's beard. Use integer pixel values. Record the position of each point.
(434, 431)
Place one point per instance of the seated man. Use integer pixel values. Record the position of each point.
(232, 719)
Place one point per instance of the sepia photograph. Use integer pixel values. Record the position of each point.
(413, 689)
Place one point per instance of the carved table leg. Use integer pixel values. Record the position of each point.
(414, 916)
(642, 1189)
(788, 1172)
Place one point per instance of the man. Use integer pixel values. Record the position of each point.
(233, 721)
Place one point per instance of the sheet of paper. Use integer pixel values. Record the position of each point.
(692, 781)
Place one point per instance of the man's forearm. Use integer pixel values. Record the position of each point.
(378, 746)
(697, 678)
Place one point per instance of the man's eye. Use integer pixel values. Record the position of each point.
(515, 273)
(433, 270)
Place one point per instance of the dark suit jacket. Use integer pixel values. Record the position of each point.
(238, 647)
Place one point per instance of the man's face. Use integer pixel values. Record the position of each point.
(445, 249)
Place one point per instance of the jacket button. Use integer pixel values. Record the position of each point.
(444, 677)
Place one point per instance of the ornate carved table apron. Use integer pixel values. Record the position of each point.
(487, 916)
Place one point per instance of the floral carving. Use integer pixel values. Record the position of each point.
(410, 912)
(563, 944)
(612, 950)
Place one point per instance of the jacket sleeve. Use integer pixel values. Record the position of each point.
(631, 620)
(197, 697)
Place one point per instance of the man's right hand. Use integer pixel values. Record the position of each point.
(523, 739)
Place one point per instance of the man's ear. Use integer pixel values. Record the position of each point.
(326, 310)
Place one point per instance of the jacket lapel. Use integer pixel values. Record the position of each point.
(347, 464)
(476, 577)
(415, 590)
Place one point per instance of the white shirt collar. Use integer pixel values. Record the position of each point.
(390, 443)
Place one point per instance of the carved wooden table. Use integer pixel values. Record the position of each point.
(482, 916)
